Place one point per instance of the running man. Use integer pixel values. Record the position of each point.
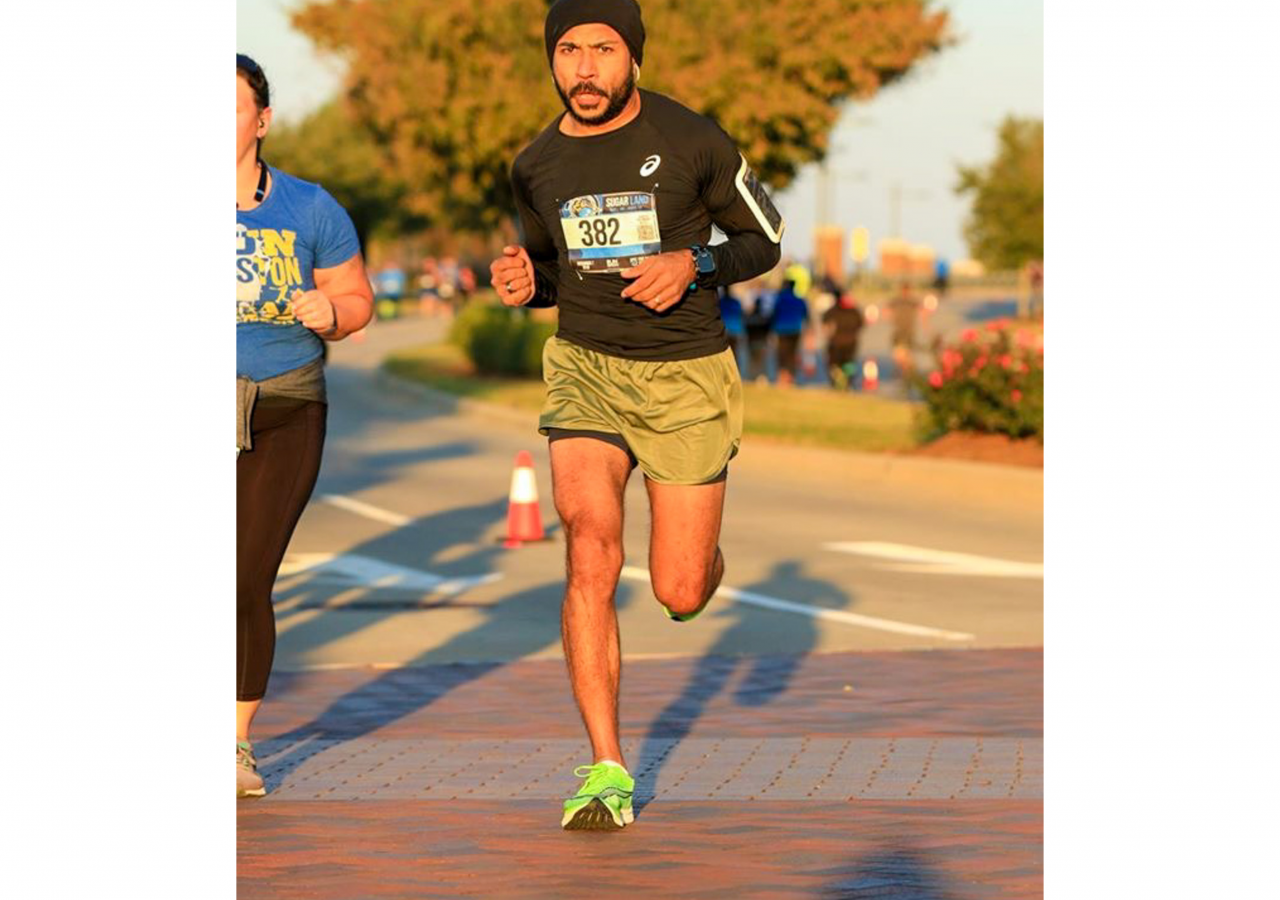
(616, 199)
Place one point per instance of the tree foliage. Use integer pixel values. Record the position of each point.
(449, 91)
(331, 148)
(1005, 228)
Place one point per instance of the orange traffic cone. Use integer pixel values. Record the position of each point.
(870, 375)
(524, 520)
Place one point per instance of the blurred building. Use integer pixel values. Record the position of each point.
(921, 260)
(829, 252)
(894, 256)
(899, 258)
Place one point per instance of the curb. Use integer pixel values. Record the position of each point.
(445, 400)
(1014, 488)
(983, 484)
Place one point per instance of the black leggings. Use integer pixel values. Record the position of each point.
(274, 480)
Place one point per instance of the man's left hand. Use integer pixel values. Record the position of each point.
(660, 281)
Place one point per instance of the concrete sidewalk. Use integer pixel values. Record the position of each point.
(909, 774)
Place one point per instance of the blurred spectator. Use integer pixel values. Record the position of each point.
(941, 277)
(734, 325)
(1037, 288)
(758, 324)
(904, 309)
(466, 282)
(449, 291)
(827, 289)
(429, 288)
(389, 283)
(800, 279)
(843, 325)
(790, 323)
(444, 285)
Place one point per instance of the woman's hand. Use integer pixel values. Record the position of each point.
(315, 310)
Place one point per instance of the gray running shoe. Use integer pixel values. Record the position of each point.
(248, 781)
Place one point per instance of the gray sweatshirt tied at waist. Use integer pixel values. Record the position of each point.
(303, 383)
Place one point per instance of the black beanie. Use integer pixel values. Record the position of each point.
(623, 16)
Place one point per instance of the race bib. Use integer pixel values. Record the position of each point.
(610, 232)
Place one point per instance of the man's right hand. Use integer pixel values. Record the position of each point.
(512, 276)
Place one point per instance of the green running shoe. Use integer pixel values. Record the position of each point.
(603, 803)
(687, 617)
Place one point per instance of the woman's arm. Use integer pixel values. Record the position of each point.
(342, 302)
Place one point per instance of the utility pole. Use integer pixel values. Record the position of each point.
(825, 187)
(896, 195)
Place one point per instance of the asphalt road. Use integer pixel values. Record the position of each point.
(398, 560)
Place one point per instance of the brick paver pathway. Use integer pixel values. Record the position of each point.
(866, 775)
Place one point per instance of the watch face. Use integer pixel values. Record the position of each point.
(706, 262)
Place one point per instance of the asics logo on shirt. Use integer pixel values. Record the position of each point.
(651, 165)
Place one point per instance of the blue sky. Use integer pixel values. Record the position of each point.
(946, 111)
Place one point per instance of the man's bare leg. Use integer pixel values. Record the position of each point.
(589, 478)
(685, 562)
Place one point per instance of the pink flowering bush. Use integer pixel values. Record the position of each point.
(991, 381)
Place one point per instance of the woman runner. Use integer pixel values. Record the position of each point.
(300, 281)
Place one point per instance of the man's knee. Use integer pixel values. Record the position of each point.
(683, 592)
(594, 548)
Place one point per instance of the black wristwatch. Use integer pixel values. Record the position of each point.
(704, 267)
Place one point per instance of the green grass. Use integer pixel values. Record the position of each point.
(810, 417)
(829, 419)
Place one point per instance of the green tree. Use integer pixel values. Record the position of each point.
(1005, 228)
(331, 148)
(449, 91)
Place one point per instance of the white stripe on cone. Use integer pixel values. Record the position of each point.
(524, 488)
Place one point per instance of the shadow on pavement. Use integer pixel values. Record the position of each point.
(767, 677)
(899, 873)
(521, 624)
(345, 474)
(356, 413)
(416, 545)
(989, 310)
(359, 403)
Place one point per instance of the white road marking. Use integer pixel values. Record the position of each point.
(835, 615)
(364, 509)
(348, 666)
(344, 667)
(939, 562)
(349, 570)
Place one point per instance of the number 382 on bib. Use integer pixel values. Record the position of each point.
(610, 232)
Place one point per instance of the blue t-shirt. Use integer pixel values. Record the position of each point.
(790, 313)
(732, 316)
(297, 229)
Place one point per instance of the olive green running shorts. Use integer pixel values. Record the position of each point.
(682, 419)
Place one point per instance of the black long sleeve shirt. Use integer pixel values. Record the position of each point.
(590, 207)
